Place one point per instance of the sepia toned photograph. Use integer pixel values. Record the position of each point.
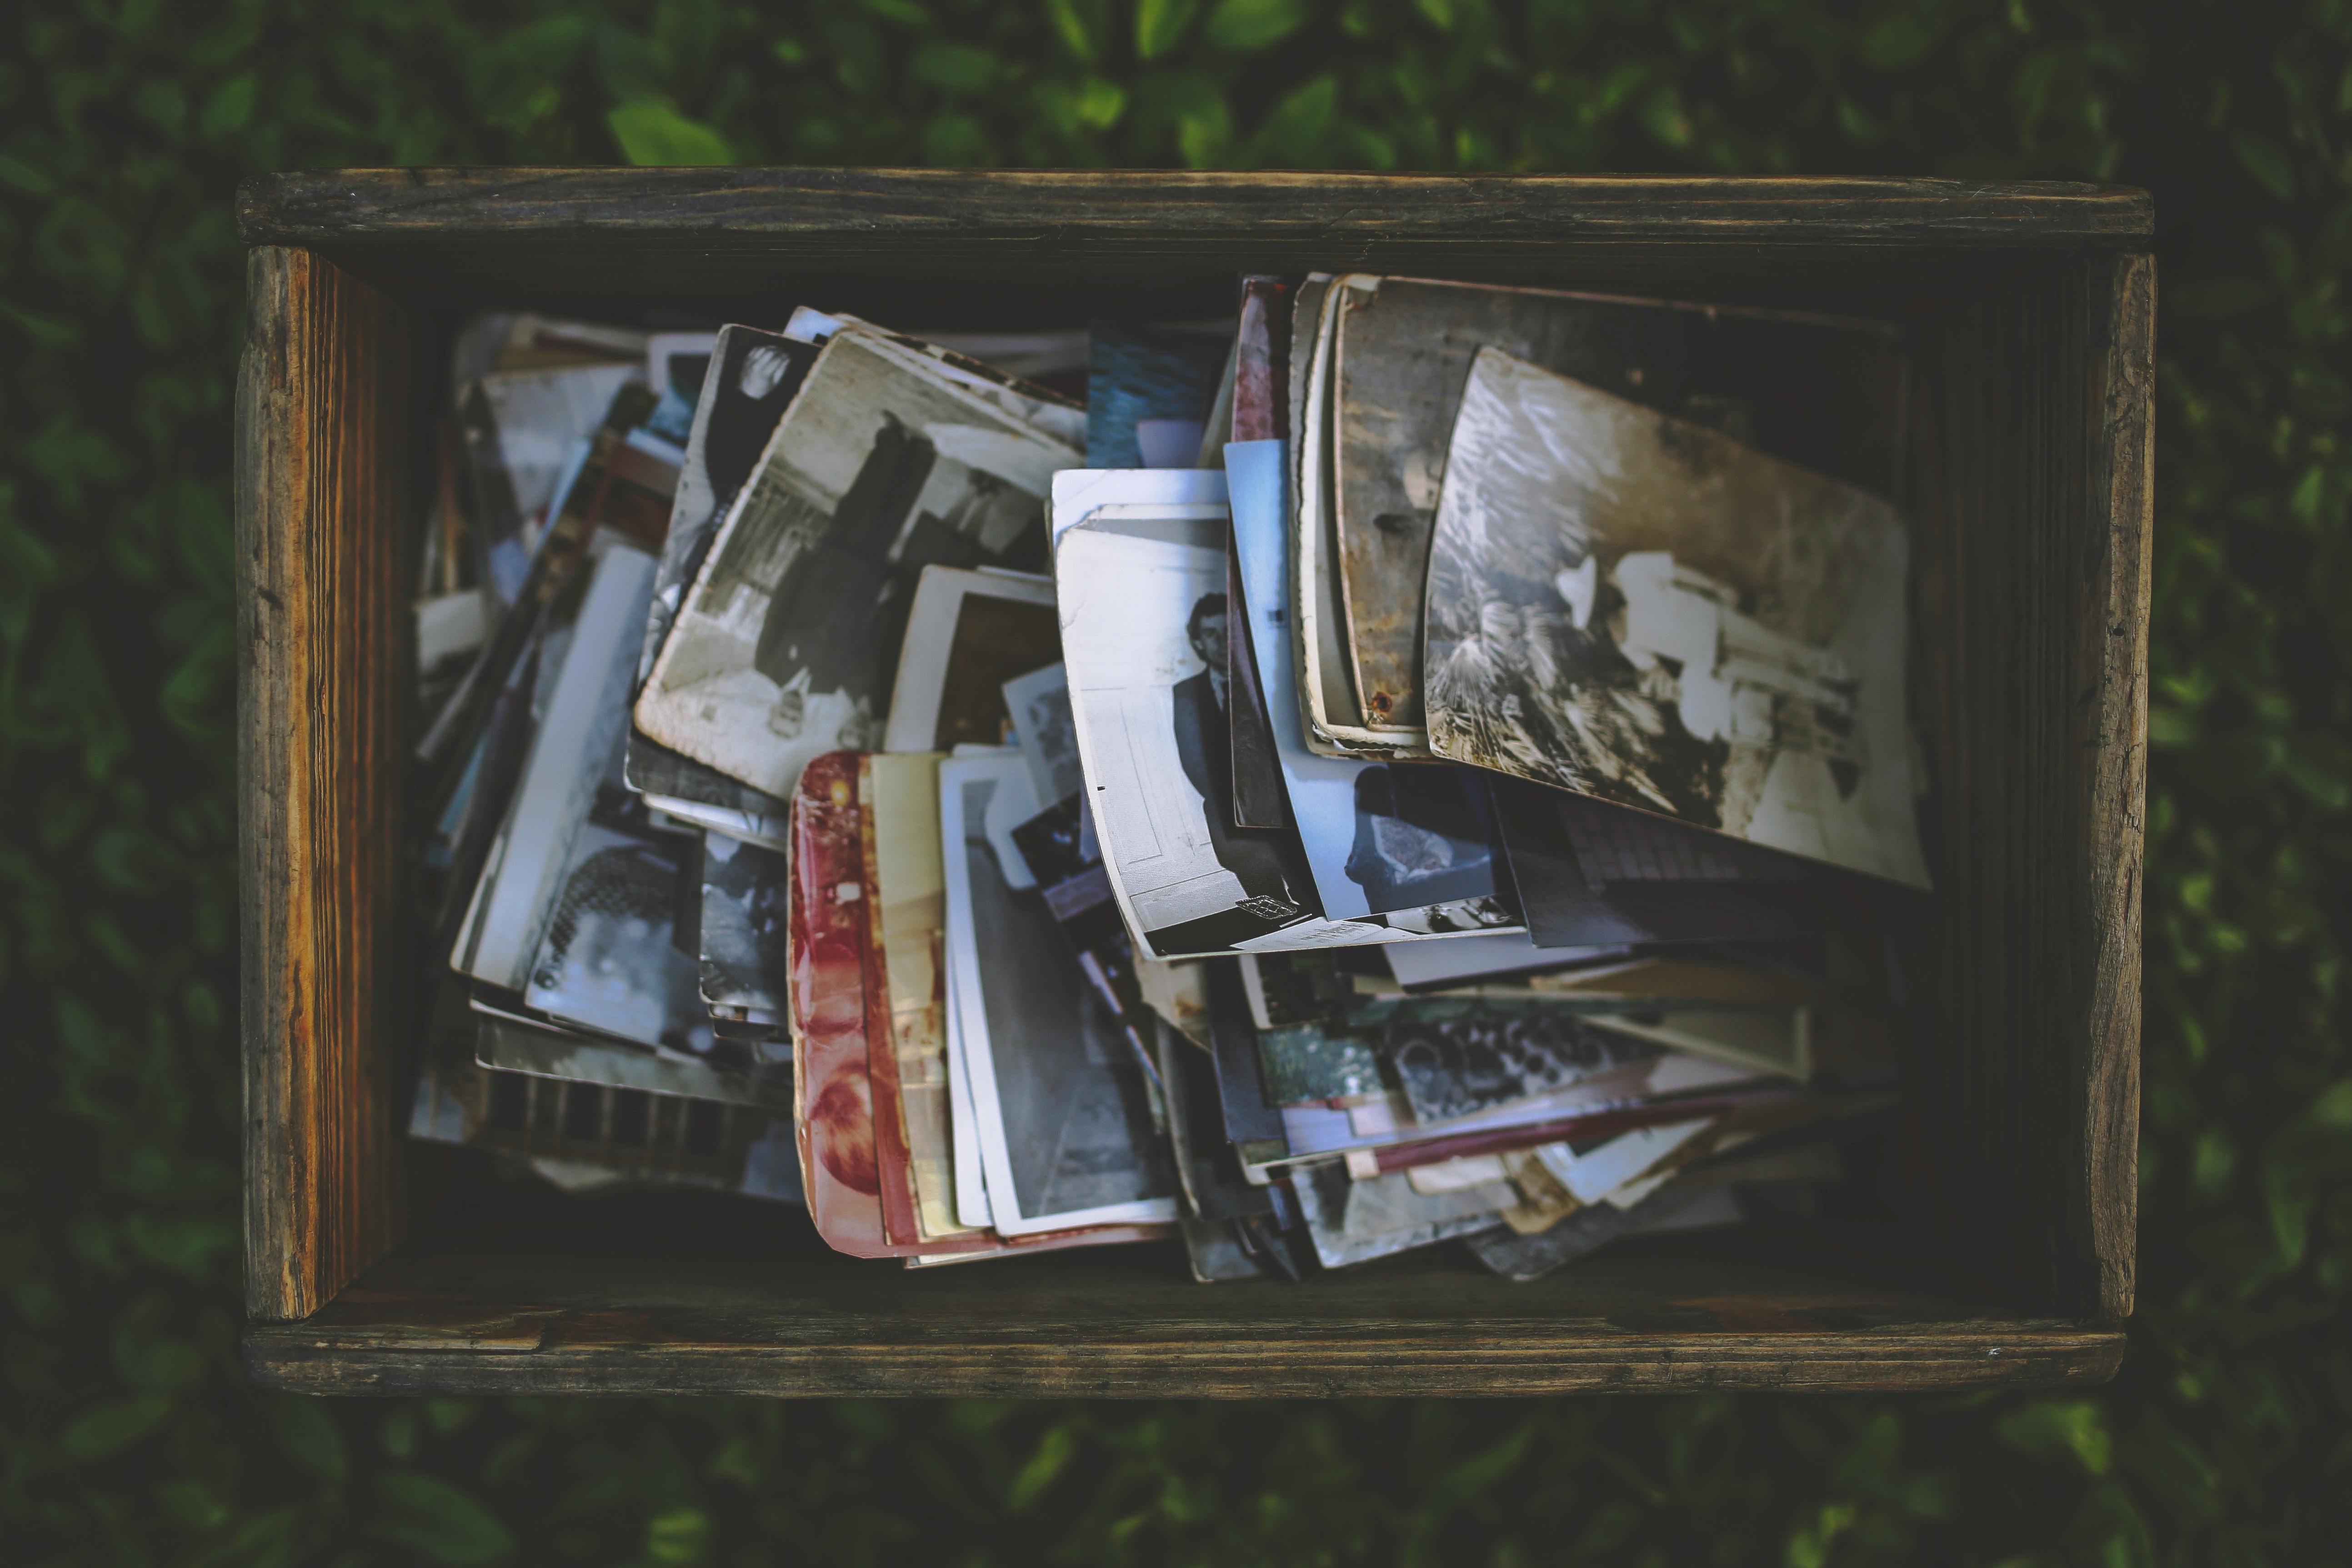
(1810, 389)
(787, 646)
(1636, 608)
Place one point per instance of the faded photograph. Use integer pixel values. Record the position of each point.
(607, 962)
(746, 891)
(1144, 628)
(788, 644)
(1038, 705)
(1072, 1110)
(1812, 390)
(1632, 607)
(1202, 710)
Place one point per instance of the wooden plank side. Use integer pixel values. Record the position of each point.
(637, 1359)
(2111, 716)
(640, 1307)
(1074, 206)
(324, 478)
(2031, 498)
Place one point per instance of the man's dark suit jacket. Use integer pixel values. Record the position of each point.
(1204, 745)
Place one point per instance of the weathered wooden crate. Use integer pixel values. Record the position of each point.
(370, 1266)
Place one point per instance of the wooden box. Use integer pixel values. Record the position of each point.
(374, 1264)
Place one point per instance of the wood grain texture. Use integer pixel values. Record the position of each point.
(1650, 1317)
(323, 475)
(2111, 732)
(1010, 244)
(2032, 502)
(316, 206)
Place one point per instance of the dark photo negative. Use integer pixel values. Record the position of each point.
(1422, 836)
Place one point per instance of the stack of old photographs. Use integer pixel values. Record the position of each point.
(1412, 762)
(1509, 716)
(571, 1027)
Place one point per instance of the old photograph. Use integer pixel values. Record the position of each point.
(1639, 609)
(1063, 1107)
(969, 632)
(1810, 389)
(749, 379)
(906, 915)
(1037, 706)
(1144, 621)
(746, 894)
(1458, 1067)
(787, 646)
(1415, 842)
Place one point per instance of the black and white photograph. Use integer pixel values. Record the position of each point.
(1357, 1221)
(1637, 609)
(1064, 1111)
(608, 962)
(1458, 1067)
(1413, 842)
(969, 632)
(787, 646)
(585, 706)
(523, 430)
(1144, 639)
(1810, 389)
(749, 379)
(1038, 705)
(1001, 385)
(677, 365)
(746, 889)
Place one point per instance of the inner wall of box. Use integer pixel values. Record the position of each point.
(2001, 437)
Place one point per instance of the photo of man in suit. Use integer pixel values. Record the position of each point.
(1204, 743)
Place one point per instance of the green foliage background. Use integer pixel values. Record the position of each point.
(129, 1436)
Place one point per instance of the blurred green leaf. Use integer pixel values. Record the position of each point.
(2267, 164)
(99, 1432)
(1044, 1467)
(1161, 25)
(957, 68)
(432, 1517)
(2048, 1428)
(228, 108)
(1248, 25)
(1897, 40)
(651, 131)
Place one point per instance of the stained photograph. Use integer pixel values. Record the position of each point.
(1634, 607)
